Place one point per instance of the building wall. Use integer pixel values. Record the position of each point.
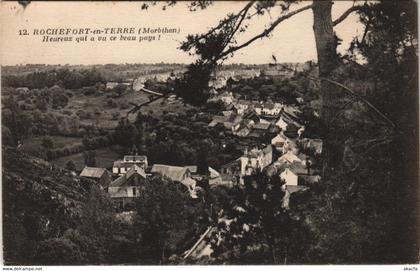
(289, 177)
(124, 192)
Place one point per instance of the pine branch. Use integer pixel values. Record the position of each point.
(371, 106)
(265, 32)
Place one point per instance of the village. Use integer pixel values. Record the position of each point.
(272, 140)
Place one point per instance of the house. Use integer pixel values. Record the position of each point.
(230, 172)
(213, 92)
(297, 177)
(262, 126)
(229, 119)
(271, 109)
(215, 179)
(121, 167)
(251, 115)
(193, 169)
(99, 175)
(225, 97)
(289, 158)
(258, 107)
(288, 123)
(175, 173)
(283, 144)
(256, 159)
(292, 172)
(300, 100)
(128, 186)
(241, 131)
(282, 123)
(291, 111)
(279, 140)
(312, 144)
(242, 106)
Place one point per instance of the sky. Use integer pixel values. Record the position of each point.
(291, 41)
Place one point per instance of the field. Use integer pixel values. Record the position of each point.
(109, 116)
(34, 145)
(104, 158)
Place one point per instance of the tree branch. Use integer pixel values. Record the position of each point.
(265, 32)
(347, 13)
(371, 106)
(137, 107)
(227, 20)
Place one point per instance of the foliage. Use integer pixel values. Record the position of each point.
(17, 121)
(255, 227)
(70, 79)
(47, 142)
(90, 158)
(70, 165)
(165, 219)
(193, 86)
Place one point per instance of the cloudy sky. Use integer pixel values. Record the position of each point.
(292, 40)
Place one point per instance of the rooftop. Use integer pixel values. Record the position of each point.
(92, 172)
(122, 180)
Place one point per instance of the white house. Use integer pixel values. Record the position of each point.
(281, 123)
(289, 158)
(271, 109)
(179, 174)
(292, 173)
(256, 159)
(296, 177)
(242, 106)
(279, 140)
(127, 187)
(289, 177)
(226, 97)
(121, 167)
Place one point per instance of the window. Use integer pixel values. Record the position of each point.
(134, 191)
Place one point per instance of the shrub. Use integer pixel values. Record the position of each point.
(111, 103)
(70, 165)
(47, 142)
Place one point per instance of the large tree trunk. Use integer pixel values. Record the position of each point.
(327, 62)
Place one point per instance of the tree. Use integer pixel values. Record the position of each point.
(255, 227)
(18, 122)
(90, 158)
(47, 142)
(164, 220)
(58, 251)
(70, 165)
(220, 43)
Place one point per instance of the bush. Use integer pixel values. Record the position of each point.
(70, 165)
(58, 251)
(47, 142)
(111, 103)
(115, 115)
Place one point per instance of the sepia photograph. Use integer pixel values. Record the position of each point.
(153, 133)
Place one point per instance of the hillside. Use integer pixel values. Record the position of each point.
(41, 203)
